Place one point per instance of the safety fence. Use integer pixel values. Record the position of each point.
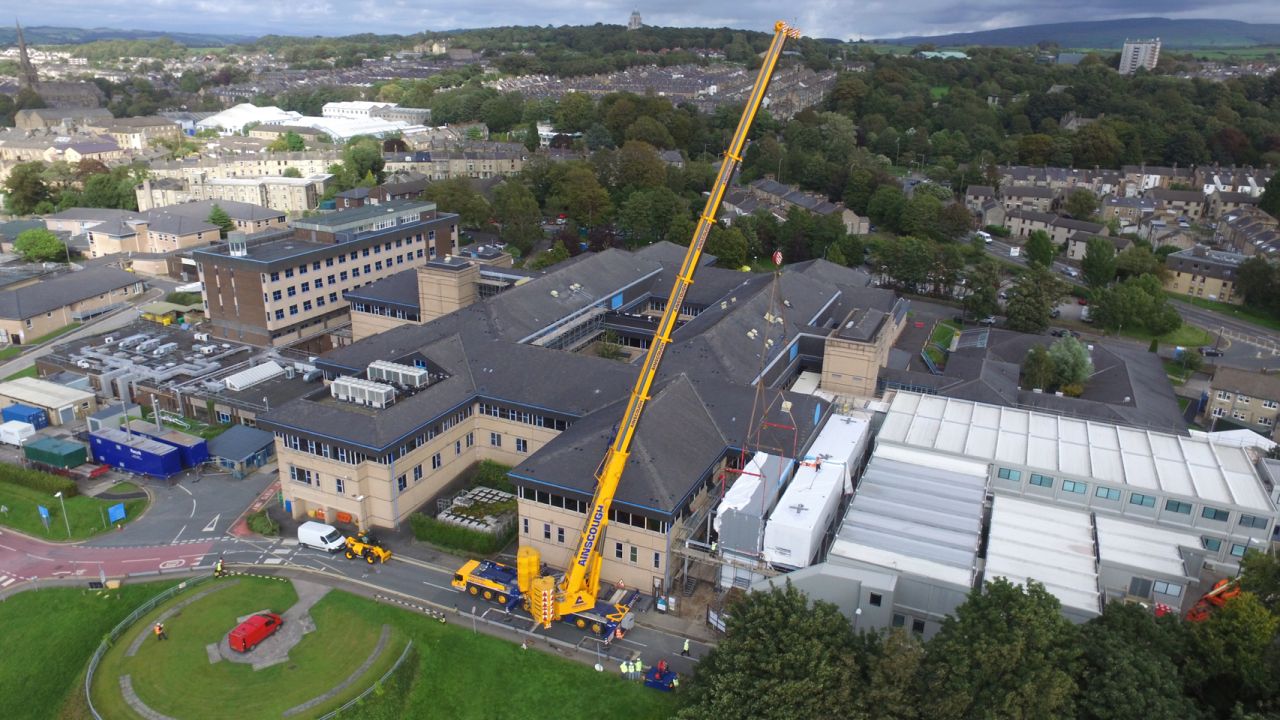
(352, 702)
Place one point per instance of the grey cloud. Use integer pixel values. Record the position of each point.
(821, 18)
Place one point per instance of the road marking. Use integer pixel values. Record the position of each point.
(631, 642)
(440, 587)
(7, 582)
(423, 564)
(183, 489)
(273, 561)
(212, 523)
(288, 541)
(175, 537)
(281, 551)
(170, 564)
(142, 560)
(6, 547)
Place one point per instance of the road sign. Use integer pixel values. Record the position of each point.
(44, 516)
(777, 257)
(115, 512)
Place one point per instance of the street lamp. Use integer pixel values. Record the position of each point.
(64, 512)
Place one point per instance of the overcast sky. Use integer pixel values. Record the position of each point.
(845, 19)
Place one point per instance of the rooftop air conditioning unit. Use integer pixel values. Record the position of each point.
(109, 340)
(202, 337)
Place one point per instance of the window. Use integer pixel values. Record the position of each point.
(1270, 404)
(560, 535)
(436, 462)
(1237, 550)
(368, 269)
(319, 302)
(522, 445)
(457, 447)
(1178, 507)
(402, 482)
(1041, 480)
(343, 275)
(1140, 587)
(1107, 493)
(1252, 521)
(546, 531)
(293, 309)
(339, 485)
(495, 439)
(306, 287)
(524, 525)
(223, 417)
(276, 295)
(1169, 589)
(1072, 486)
(355, 272)
(1209, 543)
(1240, 415)
(302, 269)
(1242, 399)
(917, 626)
(1266, 421)
(417, 473)
(288, 273)
(306, 305)
(301, 475)
(275, 276)
(333, 297)
(876, 599)
(1215, 514)
(471, 439)
(1143, 500)
(899, 620)
(1224, 395)
(1219, 412)
(1007, 474)
(634, 553)
(617, 550)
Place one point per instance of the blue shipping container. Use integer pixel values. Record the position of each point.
(192, 450)
(134, 453)
(26, 414)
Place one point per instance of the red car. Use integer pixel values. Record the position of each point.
(1081, 301)
(257, 628)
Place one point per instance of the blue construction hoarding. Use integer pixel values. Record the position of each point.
(134, 453)
(192, 450)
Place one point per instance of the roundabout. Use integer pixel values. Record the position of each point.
(323, 654)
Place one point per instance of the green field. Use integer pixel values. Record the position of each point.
(48, 637)
(1185, 336)
(457, 674)
(175, 677)
(25, 372)
(86, 514)
(14, 351)
(937, 92)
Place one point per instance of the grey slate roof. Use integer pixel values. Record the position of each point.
(1243, 382)
(245, 212)
(239, 442)
(52, 293)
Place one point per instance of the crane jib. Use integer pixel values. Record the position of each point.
(593, 531)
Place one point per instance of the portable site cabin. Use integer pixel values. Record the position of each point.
(796, 528)
(739, 520)
(56, 452)
(16, 432)
(37, 418)
(192, 450)
(135, 453)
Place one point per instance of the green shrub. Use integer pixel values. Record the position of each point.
(452, 537)
(261, 523)
(997, 230)
(36, 480)
(183, 298)
(492, 474)
(387, 700)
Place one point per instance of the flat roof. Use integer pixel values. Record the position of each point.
(1143, 546)
(1050, 544)
(1142, 459)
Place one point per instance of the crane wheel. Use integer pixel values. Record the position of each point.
(580, 623)
(488, 595)
(596, 628)
(350, 555)
(473, 590)
(369, 558)
(502, 599)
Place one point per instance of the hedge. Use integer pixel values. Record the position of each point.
(261, 523)
(492, 474)
(452, 537)
(37, 480)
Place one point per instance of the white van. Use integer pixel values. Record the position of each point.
(986, 236)
(320, 536)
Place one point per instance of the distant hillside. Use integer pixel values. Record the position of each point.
(47, 35)
(1112, 33)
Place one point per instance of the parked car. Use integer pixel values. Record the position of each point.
(257, 628)
(1210, 352)
(320, 536)
(988, 320)
(1055, 312)
(1082, 301)
(1058, 332)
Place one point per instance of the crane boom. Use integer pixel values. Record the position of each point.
(578, 590)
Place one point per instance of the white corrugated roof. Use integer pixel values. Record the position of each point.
(1142, 546)
(42, 393)
(254, 375)
(1191, 467)
(1046, 543)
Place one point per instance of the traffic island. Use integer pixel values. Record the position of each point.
(307, 672)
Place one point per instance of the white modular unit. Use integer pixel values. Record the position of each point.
(407, 375)
(362, 392)
(254, 375)
(16, 432)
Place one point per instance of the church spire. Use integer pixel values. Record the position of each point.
(29, 78)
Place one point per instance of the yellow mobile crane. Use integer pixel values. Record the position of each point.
(573, 597)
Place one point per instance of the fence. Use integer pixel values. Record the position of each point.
(350, 703)
(125, 624)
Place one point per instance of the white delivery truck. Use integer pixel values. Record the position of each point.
(320, 536)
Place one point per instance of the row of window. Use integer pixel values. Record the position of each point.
(630, 553)
(1215, 544)
(617, 517)
(307, 306)
(1106, 493)
(384, 311)
(354, 256)
(341, 454)
(1243, 416)
(917, 625)
(1245, 400)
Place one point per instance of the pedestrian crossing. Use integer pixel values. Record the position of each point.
(7, 580)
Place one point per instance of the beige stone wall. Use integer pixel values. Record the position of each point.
(365, 325)
(47, 322)
(1202, 286)
(1257, 413)
(537, 521)
(440, 292)
(851, 368)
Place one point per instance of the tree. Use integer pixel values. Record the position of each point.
(954, 221)
(598, 137)
(983, 281)
(219, 217)
(1071, 362)
(1099, 263)
(1033, 296)
(1006, 652)
(920, 216)
(890, 669)
(40, 245)
(782, 657)
(647, 129)
(585, 201)
(885, 207)
(1038, 369)
(638, 166)
(516, 210)
(1260, 575)
(1138, 260)
(1270, 200)
(556, 254)
(729, 245)
(1040, 250)
(1235, 656)
(456, 195)
(575, 113)
(1082, 204)
(289, 142)
(1129, 668)
(291, 172)
(532, 141)
(647, 215)
(26, 188)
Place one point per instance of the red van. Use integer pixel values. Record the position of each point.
(249, 633)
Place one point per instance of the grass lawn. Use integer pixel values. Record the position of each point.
(939, 91)
(25, 372)
(458, 674)
(193, 427)
(49, 635)
(14, 351)
(942, 334)
(1234, 311)
(1178, 375)
(86, 514)
(1185, 336)
(1183, 402)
